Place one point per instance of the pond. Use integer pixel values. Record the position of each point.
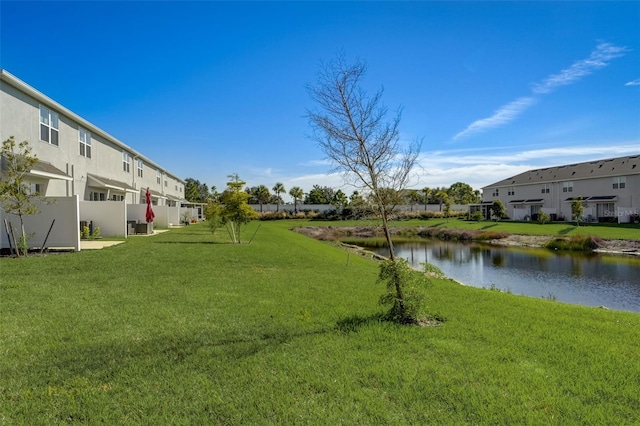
(583, 279)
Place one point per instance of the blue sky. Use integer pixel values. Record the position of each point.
(208, 88)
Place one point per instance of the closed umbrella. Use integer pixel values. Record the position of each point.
(149, 215)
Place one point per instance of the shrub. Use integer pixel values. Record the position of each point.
(543, 218)
(398, 274)
(477, 216)
(575, 243)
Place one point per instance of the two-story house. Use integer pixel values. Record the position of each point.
(609, 190)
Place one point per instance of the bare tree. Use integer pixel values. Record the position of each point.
(352, 129)
(354, 132)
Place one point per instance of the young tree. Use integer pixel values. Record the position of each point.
(16, 196)
(296, 193)
(577, 210)
(498, 210)
(353, 130)
(278, 188)
(236, 212)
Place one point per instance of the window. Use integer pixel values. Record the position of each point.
(176, 187)
(117, 197)
(140, 164)
(545, 188)
(158, 177)
(166, 183)
(619, 182)
(97, 196)
(495, 193)
(35, 188)
(48, 126)
(84, 138)
(567, 187)
(511, 191)
(125, 161)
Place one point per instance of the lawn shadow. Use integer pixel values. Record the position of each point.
(565, 231)
(489, 226)
(355, 322)
(190, 242)
(435, 225)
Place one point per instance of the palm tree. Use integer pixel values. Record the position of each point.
(296, 193)
(278, 188)
(426, 191)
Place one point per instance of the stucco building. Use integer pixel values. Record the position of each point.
(610, 190)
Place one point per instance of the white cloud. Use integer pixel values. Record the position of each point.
(502, 116)
(635, 82)
(599, 58)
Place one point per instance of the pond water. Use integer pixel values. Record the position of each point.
(583, 279)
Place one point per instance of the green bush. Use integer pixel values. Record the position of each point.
(398, 275)
(543, 218)
(477, 216)
(575, 243)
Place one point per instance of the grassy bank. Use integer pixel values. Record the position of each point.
(179, 328)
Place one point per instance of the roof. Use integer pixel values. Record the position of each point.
(40, 97)
(621, 166)
(44, 169)
(102, 182)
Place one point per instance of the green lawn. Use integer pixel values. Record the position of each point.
(179, 328)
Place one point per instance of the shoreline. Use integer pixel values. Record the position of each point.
(334, 233)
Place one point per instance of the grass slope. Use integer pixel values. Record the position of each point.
(179, 328)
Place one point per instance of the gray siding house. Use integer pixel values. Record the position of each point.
(609, 190)
(78, 159)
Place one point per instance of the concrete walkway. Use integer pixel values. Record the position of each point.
(99, 244)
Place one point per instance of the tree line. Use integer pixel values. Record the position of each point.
(458, 193)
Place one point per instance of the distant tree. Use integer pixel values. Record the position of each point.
(259, 195)
(352, 129)
(16, 195)
(462, 193)
(426, 191)
(297, 194)
(413, 197)
(447, 207)
(278, 188)
(320, 195)
(577, 210)
(236, 212)
(441, 196)
(196, 192)
(339, 200)
(498, 210)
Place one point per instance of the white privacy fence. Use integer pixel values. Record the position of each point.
(60, 215)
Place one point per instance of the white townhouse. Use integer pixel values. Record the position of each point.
(77, 158)
(610, 190)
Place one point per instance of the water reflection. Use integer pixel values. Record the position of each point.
(585, 279)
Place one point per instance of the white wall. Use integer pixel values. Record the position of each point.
(110, 216)
(65, 231)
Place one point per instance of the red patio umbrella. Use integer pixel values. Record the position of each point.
(149, 214)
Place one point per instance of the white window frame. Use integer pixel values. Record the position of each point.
(620, 182)
(140, 168)
(49, 123)
(117, 197)
(158, 177)
(97, 196)
(567, 186)
(84, 139)
(546, 188)
(126, 161)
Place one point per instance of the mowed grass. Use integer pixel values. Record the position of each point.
(180, 328)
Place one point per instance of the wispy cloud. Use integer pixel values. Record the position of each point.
(599, 58)
(502, 116)
(635, 82)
